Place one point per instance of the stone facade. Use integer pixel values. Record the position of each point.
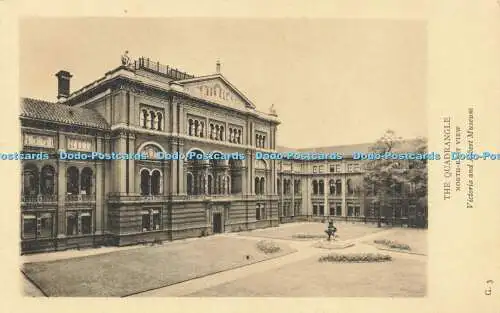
(145, 108)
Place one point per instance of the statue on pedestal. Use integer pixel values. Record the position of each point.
(331, 230)
(125, 59)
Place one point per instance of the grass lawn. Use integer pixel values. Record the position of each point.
(415, 238)
(310, 278)
(345, 231)
(126, 272)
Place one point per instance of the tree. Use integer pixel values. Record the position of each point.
(388, 179)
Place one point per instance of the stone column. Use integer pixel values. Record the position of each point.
(131, 164)
(344, 191)
(99, 193)
(61, 194)
(180, 170)
(173, 117)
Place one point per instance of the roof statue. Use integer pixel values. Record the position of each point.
(272, 110)
(125, 59)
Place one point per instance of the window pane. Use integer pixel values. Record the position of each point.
(46, 225)
(71, 224)
(29, 226)
(156, 221)
(145, 222)
(86, 224)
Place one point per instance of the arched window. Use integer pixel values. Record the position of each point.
(144, 119)
(47, 183)
(189, 182)
(315, 187)
(217, 132)
(148, 120)
(209, 184)
(151, 121)
(257, 186)
(262, 186)
(30, 180)
(155, 120)
(72, 179)
(239, 135)
(321, 187)
(350, 190)
(338, 186)
(156, 182)
(221, 136)
(145, 180)
(398, 188)
(160, 121)
(190, 127)
(196, 128)
(332, 187)
(86, 181)
(202, 129)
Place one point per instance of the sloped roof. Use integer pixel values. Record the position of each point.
(60, 113)
(345, 150)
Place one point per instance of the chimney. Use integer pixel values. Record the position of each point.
(63, 78)
(217, 67)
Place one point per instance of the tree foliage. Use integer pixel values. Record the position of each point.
(386, 179)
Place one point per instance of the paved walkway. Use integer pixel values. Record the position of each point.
(305, 250)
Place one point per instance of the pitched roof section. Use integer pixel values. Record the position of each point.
(223, 91)
(60, 113)
(348, 150)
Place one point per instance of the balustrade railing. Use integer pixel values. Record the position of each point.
(79, 198)
(38, 198)
(135, 197)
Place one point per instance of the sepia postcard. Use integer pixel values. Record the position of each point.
(247, 156)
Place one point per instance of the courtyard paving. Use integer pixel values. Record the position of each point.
(217, 266)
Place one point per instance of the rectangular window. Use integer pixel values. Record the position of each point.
(29, 226)
(350, 211)
(146, 221)
(257, 213)
(321, 210)
(315, 169)
(156, 219)
(332, 210)
(321, 169)
(78, 223)
(46, 225)
(350, 168)
(357, 211)
(86, 222)
(339, 210)
(315, 210)
(332, 168)
(71, 224)
(263, 211)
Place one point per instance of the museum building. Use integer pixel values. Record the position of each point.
(144, 107)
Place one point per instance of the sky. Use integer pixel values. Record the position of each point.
(332, 81)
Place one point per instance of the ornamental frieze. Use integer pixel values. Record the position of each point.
(41, 141)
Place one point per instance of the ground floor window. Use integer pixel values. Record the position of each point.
(321, 210)
(260, 212)
(29, 226)
(315, 210)
(296, 209)
(332, 210)
(37, 225)
(350, 211)
(357, 211)
(78, 223)
(151, 220)
(339, 210)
